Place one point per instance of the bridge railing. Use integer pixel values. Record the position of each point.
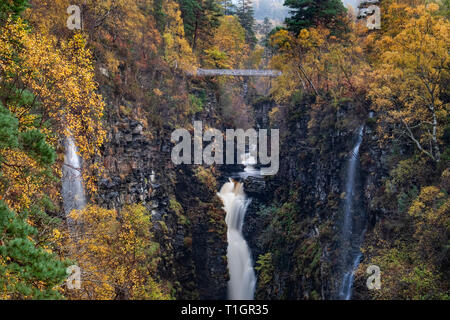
(235, 73)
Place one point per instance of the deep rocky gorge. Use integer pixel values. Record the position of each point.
(294, 215)
(109, 189)
(187, 217)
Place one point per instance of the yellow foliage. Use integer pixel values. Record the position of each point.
(116, 254)
(315, 63)
(409, 79)
(229, 49)
(61, 76)
(178, 52)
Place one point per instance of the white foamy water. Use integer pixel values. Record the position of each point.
(351, 236)
(249, 161)
(72, 179)
(242, 281)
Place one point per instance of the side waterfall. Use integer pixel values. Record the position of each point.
(72, 179)
(353, 226)
(241, 285)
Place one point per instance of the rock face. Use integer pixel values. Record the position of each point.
(128, 159)
(206, 221)
(255, 186)
(187, 218)
(305, 197)
(293, 215)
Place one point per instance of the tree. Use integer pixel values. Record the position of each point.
(12, 8)
(178, 52)
(431, 211)
(410, 81)
(27, 271)
(159, 15)
(60, 76)
(228, 7)
(265, 269)
(266, 27)
(201, 18)
(228, 45)
(116, 254)
(246, 17)
(313, 64)
(310, 13)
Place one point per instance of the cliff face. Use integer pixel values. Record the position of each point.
(297, 217)
(188, 221)
(294, 216)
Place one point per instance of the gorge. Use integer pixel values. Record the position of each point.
(93, 172)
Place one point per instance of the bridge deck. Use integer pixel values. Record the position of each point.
(236, 73)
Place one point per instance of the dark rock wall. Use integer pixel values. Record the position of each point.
(311, 179)
(189, 222)
(188, 219)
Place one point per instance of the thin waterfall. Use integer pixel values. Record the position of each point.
(353, 222)
(242, 281)
(72, 180)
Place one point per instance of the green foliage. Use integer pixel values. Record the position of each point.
(12, 7)
(206, 177)
(411, 244)
(159, 15)
(406, 276)
(175, 206)
(264, 267)
(26, 270)
(196, 103)
(311, 13)
(8, 129)
(246, 17)
(33, 143)
(200, 19)
(228, 7)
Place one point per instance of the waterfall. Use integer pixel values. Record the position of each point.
(242, 281)
(353, 225)
(249, 161)
(72, 179)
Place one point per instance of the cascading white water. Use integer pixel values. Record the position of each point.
(351, 236)
(72, 179)
(249, 161)
(242, 281)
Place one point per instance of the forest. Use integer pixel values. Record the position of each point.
(92, 207)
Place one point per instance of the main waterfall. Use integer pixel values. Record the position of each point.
(353, 226)
(242, 281)
(72, 179)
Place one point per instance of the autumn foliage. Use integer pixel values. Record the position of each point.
(134, 60)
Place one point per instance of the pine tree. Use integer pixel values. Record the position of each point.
(309, 13)
(229, 8)
(200, 18)
(12, 7)
(159, 15)
(267, 26)
(246, 17)
(26, 269)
